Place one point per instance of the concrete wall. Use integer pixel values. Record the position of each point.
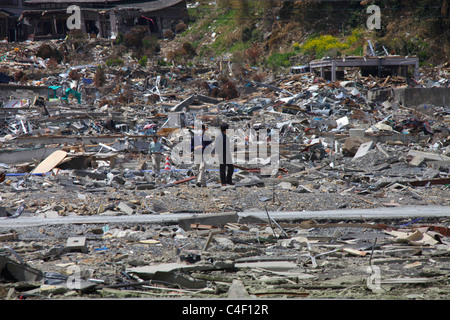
(22, 92)
(410, 97)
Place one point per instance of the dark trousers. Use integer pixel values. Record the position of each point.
(226, 176)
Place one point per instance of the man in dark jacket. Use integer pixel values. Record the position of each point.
(223, 150)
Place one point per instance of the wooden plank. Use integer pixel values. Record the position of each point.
(202, 226)
(50, 162)
(355, 252)
(8, 236)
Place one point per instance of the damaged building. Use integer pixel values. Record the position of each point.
(331, 69)
(39, 19)
(10, 12)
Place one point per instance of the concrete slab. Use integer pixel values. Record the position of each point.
(363, 149)
(76, 244)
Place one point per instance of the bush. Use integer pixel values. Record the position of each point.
(119, 39)
(19, 75)
(162, 63)
(323, 45)
(114, 62)
(76, 39)
(126, 96)
(168, 34)
(188, 50)
(253, 53)
(277, 60)
(76, 34)
(46, 51)
(99, 78)
(246, 34)
(228, 91)
(143, 61)
(52, 63)
(134, 38)
(154, 98)
(180, 27)
(104, 102)
(151, 44)
(74, 75)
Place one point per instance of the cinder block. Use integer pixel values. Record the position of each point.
(76, 244)
(356, 133)
(125, 208)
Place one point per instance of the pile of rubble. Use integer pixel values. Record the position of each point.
(252, 258)
(75, 143)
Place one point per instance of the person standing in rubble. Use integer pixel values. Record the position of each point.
(223, 150)
(198, 145)
(155, 150)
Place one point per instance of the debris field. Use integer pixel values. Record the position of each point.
(72, 147)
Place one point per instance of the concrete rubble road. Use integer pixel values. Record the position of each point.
(363, 181)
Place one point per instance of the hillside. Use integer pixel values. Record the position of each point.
(277, 34)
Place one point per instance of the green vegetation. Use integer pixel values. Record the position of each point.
(151, 44)
(114, 62)
(278, 34)
(119, 39)
(322, 46)
(328, 45)
(277, 60)
(143, 61)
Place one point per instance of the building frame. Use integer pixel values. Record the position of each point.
(395, 65)
(47, 19)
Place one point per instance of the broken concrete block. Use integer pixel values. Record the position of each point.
(49, 214)
(363, 149)
(225, 242)
(382, 126)
(351, 146)
(417, 161)
(439, 165)
(356, 133)
(285, 186)
(237, 290)
(159, 207)
(145, 186)
(53, 289)
(428, 155)
(125, 208)
(303, 189)
(431, 174)
(76, 244)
